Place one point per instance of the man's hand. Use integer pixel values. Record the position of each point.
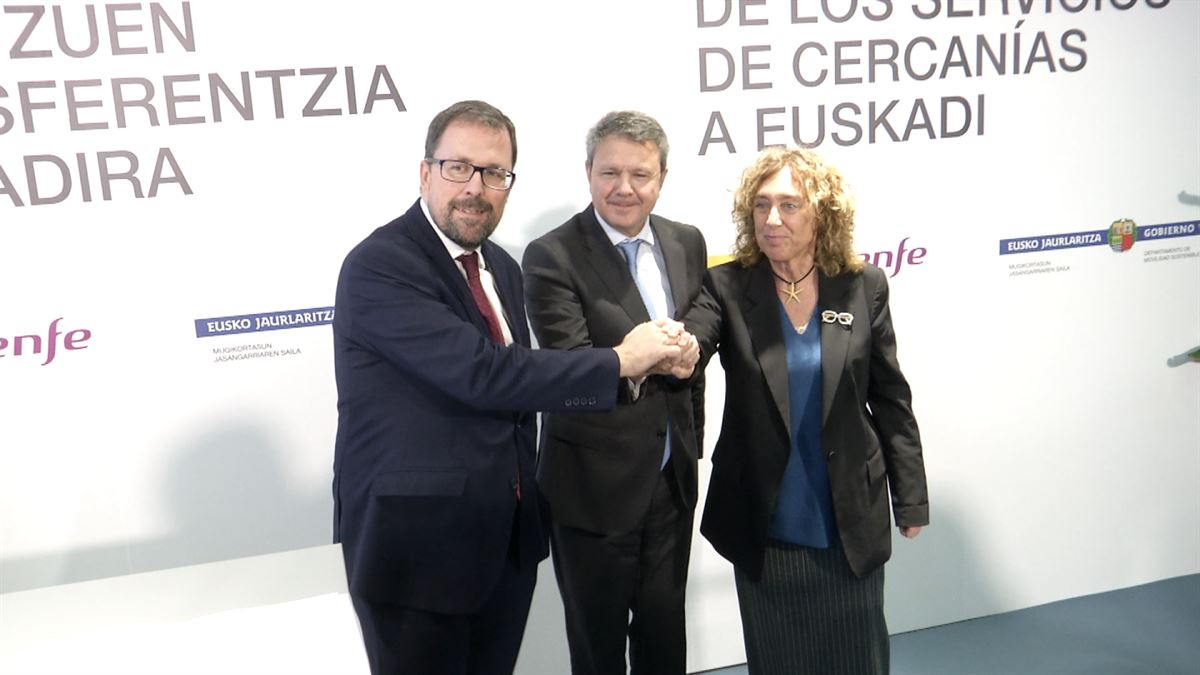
(682, 366)
(648, 344)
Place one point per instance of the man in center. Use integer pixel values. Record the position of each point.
(621, 485)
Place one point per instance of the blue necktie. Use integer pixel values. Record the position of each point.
(629, 248)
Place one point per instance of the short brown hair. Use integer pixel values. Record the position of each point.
(636, 126)
(473, 112)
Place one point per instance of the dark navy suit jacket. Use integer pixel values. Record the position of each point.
(435, 421)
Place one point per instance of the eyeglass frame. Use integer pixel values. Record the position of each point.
(483, 171)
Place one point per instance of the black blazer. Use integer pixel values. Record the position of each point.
(598, 470)
(869, 433)
(434, 424)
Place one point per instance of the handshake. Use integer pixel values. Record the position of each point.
(659, 347)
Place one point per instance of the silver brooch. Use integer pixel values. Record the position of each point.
(844, 318)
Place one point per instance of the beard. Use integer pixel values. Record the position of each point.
(468, 231)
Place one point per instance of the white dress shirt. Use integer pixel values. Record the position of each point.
(652, 269)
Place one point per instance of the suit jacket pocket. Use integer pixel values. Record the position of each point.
(875, 469)
(420, 483)
(589, 431)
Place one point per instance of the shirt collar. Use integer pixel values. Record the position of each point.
(451, 247)
(646, 235)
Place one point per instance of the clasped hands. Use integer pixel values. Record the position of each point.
(660, 347)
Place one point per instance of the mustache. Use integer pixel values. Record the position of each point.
(475, 203)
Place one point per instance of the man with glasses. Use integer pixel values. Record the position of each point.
(621, 484)
(435, 504)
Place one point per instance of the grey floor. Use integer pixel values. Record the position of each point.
(1146, 630)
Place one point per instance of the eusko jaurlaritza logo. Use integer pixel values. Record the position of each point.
(257, 323)
(1120, 236)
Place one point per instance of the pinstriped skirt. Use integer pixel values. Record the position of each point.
(810, 615)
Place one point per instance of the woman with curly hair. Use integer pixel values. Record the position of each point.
(818, 425)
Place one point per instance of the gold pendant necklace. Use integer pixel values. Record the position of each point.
(793, 291)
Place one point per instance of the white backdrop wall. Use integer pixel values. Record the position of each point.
(991, 145)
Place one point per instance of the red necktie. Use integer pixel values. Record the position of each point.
(470, 263)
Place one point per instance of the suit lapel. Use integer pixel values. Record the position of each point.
(420, 231)
(609, 265)
(766, 333)
(835, 338)
(675, 259)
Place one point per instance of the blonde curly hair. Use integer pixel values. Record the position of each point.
(822, 186)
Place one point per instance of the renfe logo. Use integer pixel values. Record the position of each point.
(22, 345)
(894, 260)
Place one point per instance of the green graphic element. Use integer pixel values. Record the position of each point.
(1121, 235)
(1190, 356)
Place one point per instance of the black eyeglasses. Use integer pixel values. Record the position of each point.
(461, 172)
